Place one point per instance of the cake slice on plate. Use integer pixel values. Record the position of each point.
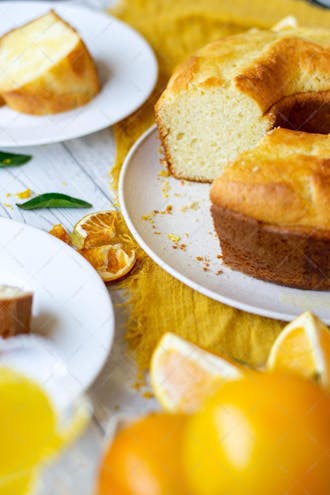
(46, 67)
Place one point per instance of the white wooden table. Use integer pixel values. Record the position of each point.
(80, 168)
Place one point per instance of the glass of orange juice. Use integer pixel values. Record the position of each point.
(35, 421)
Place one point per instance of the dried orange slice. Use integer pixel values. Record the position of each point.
(60, 232)
(183, 375)
(96, 229)
(303, 348)
(111, 262)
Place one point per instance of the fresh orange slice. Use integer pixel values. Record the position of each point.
(111, 262)
(60, 232)
(303, 348)
(97, 229)
(183, 375)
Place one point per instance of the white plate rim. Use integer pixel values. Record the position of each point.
(250, 308)
(97, 280)
(100, 126)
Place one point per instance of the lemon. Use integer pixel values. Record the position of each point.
(303, 348)
(183, 375)
(263, 434)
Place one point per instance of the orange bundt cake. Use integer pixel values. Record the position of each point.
(252, 113)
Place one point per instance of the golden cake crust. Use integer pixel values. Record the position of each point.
(284, 181)
(259, 63)
(290, 66)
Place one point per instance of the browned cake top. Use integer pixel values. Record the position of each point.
(265, 65)
(284, 181)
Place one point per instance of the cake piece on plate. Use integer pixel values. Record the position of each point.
(15, 311)
(46, 67)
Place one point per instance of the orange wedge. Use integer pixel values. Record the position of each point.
(111, 262)
(303, 348)
(97, 229)
(184, 375)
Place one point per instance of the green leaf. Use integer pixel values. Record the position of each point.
(13, 159)
(53, 200)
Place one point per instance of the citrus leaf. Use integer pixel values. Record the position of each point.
(53, 200)
(13, 159)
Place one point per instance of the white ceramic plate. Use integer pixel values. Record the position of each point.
(126, 63)
(143, 190)
(72, 309)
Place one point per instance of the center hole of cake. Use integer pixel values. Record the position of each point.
(306, 112)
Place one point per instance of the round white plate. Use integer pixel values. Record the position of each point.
(126, 64)
(194, 258)
(72, 309)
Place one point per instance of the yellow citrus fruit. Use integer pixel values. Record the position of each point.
(20, 484)
(145, 458)
(263, 434)
(303, 348)
(183, 375)
(111, 261)
(99, 229)
(59, 231)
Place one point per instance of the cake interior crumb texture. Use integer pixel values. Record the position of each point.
(29, 51)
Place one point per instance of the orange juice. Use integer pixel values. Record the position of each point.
(29, 431)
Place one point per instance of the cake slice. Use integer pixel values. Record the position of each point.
(46, 67)
(15, 311)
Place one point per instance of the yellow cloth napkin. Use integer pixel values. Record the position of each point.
(160, 303)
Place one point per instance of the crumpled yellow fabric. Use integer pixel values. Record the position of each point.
(159, 303)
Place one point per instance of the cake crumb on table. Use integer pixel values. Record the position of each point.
(173, 237)
(166, 189)
(24, 194)
(164, 173)
(191, 206)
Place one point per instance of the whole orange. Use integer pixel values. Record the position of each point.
(145, 458)
(262, 435)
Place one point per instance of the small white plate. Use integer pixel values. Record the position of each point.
(72, 309)
(194, 259)
(126, 64)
